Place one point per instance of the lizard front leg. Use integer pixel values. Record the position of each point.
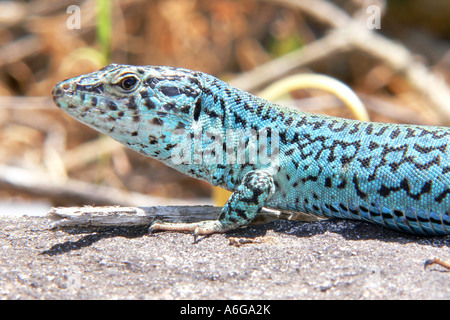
(240, 209)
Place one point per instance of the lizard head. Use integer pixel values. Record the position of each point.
(139, 106)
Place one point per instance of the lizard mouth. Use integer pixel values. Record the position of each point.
(57, 91)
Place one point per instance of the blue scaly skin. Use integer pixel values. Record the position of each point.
(397, 176)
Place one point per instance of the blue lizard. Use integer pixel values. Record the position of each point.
(393, 175)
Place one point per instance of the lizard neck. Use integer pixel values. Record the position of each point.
(235, 133)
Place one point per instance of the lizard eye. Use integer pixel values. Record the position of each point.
(128, 83)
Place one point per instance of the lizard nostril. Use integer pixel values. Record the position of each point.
(58, 89)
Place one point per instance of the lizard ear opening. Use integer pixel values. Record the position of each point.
(197, 109)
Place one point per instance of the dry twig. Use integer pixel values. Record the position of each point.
(14, 178)
(114, 216)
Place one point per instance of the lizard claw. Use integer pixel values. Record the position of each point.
(195, 234)
(151, 229)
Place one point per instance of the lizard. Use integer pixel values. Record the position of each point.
(393, 175)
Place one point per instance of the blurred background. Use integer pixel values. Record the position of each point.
(395, 54)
